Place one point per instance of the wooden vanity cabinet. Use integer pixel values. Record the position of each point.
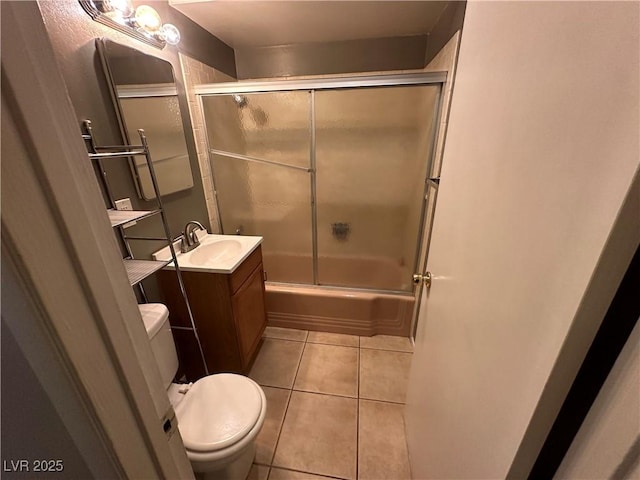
(229, 312)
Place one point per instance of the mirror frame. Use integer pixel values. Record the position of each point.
(101, 47)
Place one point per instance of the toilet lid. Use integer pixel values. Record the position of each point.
(218, 411)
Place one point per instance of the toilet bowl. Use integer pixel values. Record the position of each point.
(219, 416)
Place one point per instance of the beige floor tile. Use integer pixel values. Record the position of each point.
(328, 369)
(333, 339)
(384, 375)
(387, 342)
(285, 334)
(382, 443)
(277, 399)
(277, 363)
(258, 472)
(281, 474)
(319, 435)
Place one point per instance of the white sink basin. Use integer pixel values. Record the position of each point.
(215, 254)
(211, 253)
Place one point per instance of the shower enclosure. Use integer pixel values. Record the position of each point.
(331, 172)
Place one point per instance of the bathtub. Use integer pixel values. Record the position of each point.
(338, 310)
(360, 271)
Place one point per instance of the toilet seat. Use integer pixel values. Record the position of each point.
(220, 414)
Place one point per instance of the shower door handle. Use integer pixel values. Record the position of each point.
(426, 279)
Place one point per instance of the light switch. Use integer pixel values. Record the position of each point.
(124, 204)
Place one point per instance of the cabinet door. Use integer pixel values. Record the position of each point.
(249, 314)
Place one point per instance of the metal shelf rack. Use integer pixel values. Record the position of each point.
(138, 269)
(122, 217)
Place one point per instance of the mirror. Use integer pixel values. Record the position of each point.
(144, 94)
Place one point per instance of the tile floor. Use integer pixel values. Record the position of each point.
(335, 406)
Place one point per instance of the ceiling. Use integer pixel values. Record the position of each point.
(248, 23)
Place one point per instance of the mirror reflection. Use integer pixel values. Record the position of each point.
(144, 93)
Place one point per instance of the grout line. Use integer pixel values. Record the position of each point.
(339, 395)
(386, 350)
(334, 344)
(286, 410)
(278, 388)
(283, 339)
(284, 417)
(309, 473)
(358, 418)
(359, 361)
(295, 377)
(382, 401)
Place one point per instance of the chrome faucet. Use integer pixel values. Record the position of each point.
(189, 237)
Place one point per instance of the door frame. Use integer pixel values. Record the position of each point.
(79, 319)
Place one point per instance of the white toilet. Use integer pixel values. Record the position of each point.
(219, 416)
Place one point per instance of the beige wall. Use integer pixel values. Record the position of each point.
(334, 58)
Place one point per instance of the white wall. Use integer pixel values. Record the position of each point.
(541, 152)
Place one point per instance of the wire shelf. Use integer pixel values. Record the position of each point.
(138, 270)
(120, 217)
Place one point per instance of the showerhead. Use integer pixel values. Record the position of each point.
(240, 100)
(257, 114)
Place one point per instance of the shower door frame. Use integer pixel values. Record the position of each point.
(437, 79)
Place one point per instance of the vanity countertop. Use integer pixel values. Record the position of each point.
(215, 254)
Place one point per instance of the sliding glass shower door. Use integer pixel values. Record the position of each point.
(333, 179)
(372, 152)
(259, 146)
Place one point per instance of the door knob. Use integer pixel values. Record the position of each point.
(426, 279)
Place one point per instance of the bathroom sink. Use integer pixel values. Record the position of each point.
(216, 253)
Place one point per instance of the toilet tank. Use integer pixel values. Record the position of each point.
(156, 321)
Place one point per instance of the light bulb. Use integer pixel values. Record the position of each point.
(171, 34)
(147, 18)
(122, 8)
(118, 10)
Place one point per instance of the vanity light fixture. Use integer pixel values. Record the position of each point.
(142, 23)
